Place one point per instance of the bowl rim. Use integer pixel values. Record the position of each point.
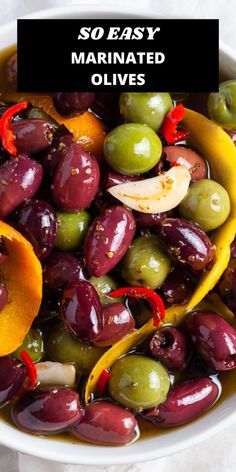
(42, 447)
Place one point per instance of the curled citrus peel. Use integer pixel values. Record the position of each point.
(157, 194)
(22, 275)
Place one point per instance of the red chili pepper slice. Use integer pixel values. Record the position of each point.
(171, 121)
(154, 300)
(6, 132)
(103, 380)
(31, 370)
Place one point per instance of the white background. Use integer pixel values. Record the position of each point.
(219, 453)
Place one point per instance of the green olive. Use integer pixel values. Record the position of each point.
(71, 229)
(104, 285)
(206, 203)
(33, 344)
(39, 114)
(222, 105)
(138, 382)
(145, 263)
(146, 108)
(132, 148)
(64, 347)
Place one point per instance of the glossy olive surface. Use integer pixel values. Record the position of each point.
(106, 424)
(81, 310)
(117, 323)
(47, 410)
(169, 345)
(108, 239)
(187, 157)
(32, 136)
(61, 268)
(33, 344)
(187, 242)
(213, 339)
(138, 382)
(71, 229)
(12, 377)
(145, 263)
(222, 105)
(185, 402)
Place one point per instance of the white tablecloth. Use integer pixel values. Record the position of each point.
(219, 453)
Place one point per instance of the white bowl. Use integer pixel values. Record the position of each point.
(151, 448)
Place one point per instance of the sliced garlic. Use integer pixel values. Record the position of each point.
(157, 194)
(55, 373)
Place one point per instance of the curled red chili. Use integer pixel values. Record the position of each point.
(171, 121)
(31, 370)
(154, 300)
(103, 380)
(6, 133)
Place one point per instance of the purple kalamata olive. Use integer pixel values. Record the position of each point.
(185, 402)
(106, 106)
(213, 339)
(184, 156)
(12, 377)
(177, 288)
(108, 239)
(3, 251)
(81, 310)
(12, 69)
(36, 220)
(70, 103)
(55, 153)
(4, 297)
(32, 136)
(117, 323)
(169, 345)
(45, 411)
(20, 178)
(187, 242)
(227, 283)
(151, 221)
(60, 269)
(76, 179)
(114, 178)
(106, 424)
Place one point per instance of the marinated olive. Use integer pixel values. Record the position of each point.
(71, 229)
(206, 203)
(222, 105)
(72, 103)
(213, 339)
(184, 156)
(47, 410)
(104, 285)
(64, 347)
(12, 377)
(108, 239)
(132, 149)
(146, 108)
(114, 178)
(60, 269)
(107, 424)
(33, 344)
(117, 323)
(81, 310)
(32, 136)
(52, 156)
(145, 263)
(20, 178)
(227, 283)
(151, 220)
(39, 114)
(187, 242)
(177, 288)
(76, 179)
(169, 346)
(36, 220)
(185, 402)
(138, 382)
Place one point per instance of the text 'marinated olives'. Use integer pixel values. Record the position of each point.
(145, 262)
(132, 148)
(108, 239)
(146, 108)
(138, 382)
(81, 310)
